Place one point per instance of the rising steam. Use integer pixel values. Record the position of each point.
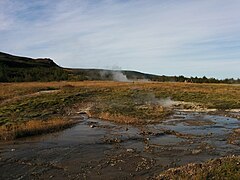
(115, 75)
(119, 76)
(165, 102)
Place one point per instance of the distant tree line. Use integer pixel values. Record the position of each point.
(203, 79)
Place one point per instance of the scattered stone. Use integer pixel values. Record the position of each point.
(21, 177)
(196, 151)
(130, 150)
(147, 147)
(92, 126)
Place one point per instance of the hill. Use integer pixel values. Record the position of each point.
(103, 74)
(24, 69)
(24, 62)
(18, 69)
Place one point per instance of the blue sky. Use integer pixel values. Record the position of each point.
(171, 37)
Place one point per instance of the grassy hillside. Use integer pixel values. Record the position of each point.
(25, 62)
(18, 69)
(103, 74)
(23, 69)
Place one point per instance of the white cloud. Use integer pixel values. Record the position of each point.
(141, 35)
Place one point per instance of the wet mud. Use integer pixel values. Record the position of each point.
(96, 149)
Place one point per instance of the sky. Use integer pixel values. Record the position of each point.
(165, 37)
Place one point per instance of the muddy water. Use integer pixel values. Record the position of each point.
(96, 149)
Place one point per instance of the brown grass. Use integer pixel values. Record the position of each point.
(118, 118)
(222, 168)
(154, 116)
(33, 127)
(124, 102)
(234, 137)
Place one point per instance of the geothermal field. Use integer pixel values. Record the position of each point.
(119, 130)
(119, 89)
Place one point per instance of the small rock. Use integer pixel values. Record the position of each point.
(208, 147)
(196, 151)
(21, 177)
(92, 126)
(130, 150)
(12, 150)
(147, 147)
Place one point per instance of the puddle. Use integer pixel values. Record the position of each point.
(100, 149)
(166, 140)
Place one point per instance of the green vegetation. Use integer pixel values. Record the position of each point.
(208, 95)
(32, 74)
(121, 102)
(18, 69)
(126, 105)
(42, 106)
(115, 102)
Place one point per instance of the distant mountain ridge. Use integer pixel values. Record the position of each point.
(16, 69)
(24, 69)
(17, 61)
